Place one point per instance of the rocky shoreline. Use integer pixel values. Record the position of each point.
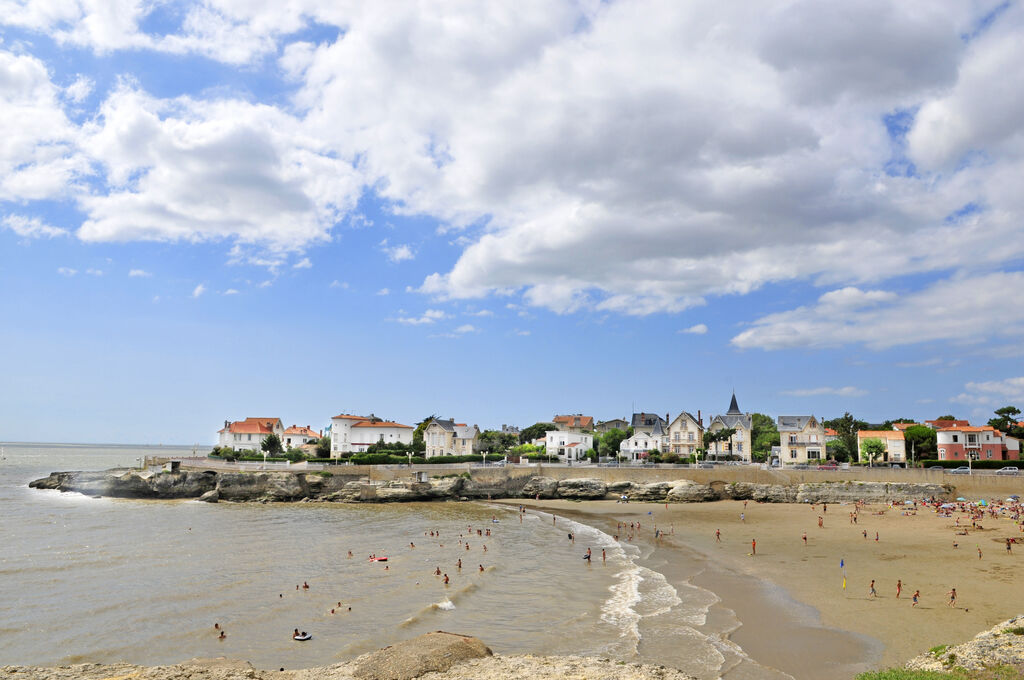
(214, 486)
(433, 656)
(1001, 645)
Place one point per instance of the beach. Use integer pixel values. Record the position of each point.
(795, 614)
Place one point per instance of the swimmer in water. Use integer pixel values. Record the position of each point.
(446, 579)
(481, 567)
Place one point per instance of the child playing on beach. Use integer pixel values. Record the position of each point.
(899, 588)
(718, 535)
(871, 592)
(952, 598)
(916, 595)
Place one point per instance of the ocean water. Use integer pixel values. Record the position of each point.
(104, 580)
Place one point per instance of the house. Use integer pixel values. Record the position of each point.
(979, 443)
(685, 434)
(802, 439)
(509, 429)
(575, 423)
(739, 444)
(830, 435)
(248, 433)
(642, 443)
(298, 435)
(570, 447)
(448, 438)
(903, 427)
(895, 445)
(645, 422)
(943, 424)
(354, 434)
(613, 424)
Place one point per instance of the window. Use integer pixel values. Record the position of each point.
(814, 437)
(739, 447)
(792, 453)
(676, 437)
(813, 454)
(989, 453)
(792, 439)
(690, 438)
(956, 438)
(942, 451)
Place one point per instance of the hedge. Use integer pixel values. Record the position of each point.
(979, 464)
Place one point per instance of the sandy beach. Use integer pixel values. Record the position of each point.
(797, 616)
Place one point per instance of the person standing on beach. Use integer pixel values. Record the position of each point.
(871, 591)
(952, 598)
(915, 596)
(979, 552)
(602, 555)
(821, 522)
(1009, 548)
(805, 538)
(753, 546)
(718, 535)
(899, 588)
(743, 517)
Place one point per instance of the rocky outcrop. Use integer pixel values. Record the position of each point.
(582, 489)
(431, 652)
(1001, 645)
(262, 486)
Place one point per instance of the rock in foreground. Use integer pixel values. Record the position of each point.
(412, 658)
(1001, 645)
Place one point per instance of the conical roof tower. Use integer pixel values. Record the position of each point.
(734, 409)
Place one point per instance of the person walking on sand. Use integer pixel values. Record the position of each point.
(871, 592)
(1009, 548)
(821, 522)
(979, 552)
(743, 517)
(899, 588)
(915, 597)
(876, 537)
(718, 535)
(952, 598)
(805, 538)
(753, 547)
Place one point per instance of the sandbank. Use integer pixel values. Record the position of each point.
(764, 589)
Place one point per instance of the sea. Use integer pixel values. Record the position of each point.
(87, 579)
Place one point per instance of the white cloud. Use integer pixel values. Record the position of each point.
(230, 291)
(428, 317)
(31, 227)
(521, 332)
(80, 89)
(139, 273)
(66, 271)
(198, 290)
(467, 328)
(960, 309)
(699, 329)
(397, 253)
(847, 391)
(94, 272)
(384, 291)
(339, 284)
(304, 263)
(994, 393)
(482, 312)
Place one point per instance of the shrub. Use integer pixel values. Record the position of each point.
(1019, 630)
(325, 473)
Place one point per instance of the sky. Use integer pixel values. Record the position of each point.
(499, 212)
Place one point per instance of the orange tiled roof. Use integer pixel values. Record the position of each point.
(830, 432)
(903, 426)
(584, 421)
(253, 426)
(879, 434)
(302, 430)
(346, 416)
(943, 424)
(968, 428)
(381, 423)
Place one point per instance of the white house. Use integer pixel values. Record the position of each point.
(642, 443)
(248, 433)
(353, 434)
(448, 438)
(685, 434)
(298, 435)
(739, 444)
(568, 446)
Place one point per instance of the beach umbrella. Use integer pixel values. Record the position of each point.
(947, 505)
(1014, 496)
(982, 502)
(1010, 499)
(908, 502)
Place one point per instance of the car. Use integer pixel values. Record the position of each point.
(936, 467)
(1008, 470)
(896, 465)
(962, 470)
(828, 466)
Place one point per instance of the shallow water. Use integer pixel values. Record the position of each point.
(84, 579)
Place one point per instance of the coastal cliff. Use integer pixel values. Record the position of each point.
(214, 486)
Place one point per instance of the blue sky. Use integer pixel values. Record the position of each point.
(218, 209)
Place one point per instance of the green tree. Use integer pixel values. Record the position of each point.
(846, 428)
(720, 436)
(921, 442)
(946, 417)
(323, 447)
(295, 455)
(887, 425)
(271, 444)
(417, 434)
(764, 435)
(873, 449)
(835, 450)
(608, 443)
(535, 431)
(1006, 418)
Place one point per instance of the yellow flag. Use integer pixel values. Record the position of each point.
(844, 583)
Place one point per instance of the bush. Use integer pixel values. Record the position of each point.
(295, 455)
(325, 474)
(670, 458)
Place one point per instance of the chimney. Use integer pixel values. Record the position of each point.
(699, 420)
(667, 419)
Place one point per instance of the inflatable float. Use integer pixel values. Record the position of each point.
(303, 637)
(378, 559)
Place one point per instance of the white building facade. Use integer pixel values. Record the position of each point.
(448, 438)
(353, 434)
(248, 433)
(570, 447)
(685, 435)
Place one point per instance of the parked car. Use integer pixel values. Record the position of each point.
(1008, 470)
(829, 466)
(962, 470)
(936, 467)
(896, 465)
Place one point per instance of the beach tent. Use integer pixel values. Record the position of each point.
(983, 502)
(1010, 499)
(947, 505)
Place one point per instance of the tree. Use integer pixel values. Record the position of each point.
(295, 455)
(271, 444)
(323, 447)
(720, 436)
(887, 425)
(873, 449)
(1006, 419)
(946, 417)
(609, 443)
(417, 434)
(535, 431)
(920, 442)
(764, 435)
(846, 429)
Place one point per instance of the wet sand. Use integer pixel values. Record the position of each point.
(796, 615)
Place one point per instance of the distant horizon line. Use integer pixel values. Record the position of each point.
(134, 445)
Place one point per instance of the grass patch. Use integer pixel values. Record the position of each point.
(1019, 630)
(935, 651)
(325, 473)
(904, 674)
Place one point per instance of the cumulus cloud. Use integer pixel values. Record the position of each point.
(94, 272)
(304, 263)
(31, 227)
(959, 309)
(993, 392)
(699, 329)
(397, 253)
(230, 291)
(847, 391)
(66, 271)
(467, 328)
(339, 284)
(80, 89)
(139, 273)
(384, 291)
(428, 317)
(198, 290)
